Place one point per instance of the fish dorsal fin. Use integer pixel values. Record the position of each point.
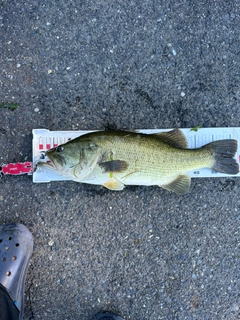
(180, 185)
(174, 137)
(114, 184)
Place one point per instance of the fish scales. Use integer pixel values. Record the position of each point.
(151, 160)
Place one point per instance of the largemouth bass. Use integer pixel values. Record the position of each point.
(118, 158)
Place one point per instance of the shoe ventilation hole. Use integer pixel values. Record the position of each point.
(6, 248)
(10, 238)
(17, 245)
(4, 259)
(14, 258)
(8, 273)
(0, 240)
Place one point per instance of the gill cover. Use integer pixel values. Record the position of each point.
(74, 159)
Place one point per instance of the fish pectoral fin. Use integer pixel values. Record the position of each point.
(174, 137)
(114, 165)
(180, 185)
(114, 184)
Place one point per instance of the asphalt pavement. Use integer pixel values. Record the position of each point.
(143, 253)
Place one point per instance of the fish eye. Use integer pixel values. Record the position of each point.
(59, 149)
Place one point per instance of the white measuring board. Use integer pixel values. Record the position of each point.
(44, 139)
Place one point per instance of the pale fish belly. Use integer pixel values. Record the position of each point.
(99, 178)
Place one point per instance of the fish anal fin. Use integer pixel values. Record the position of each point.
(180, 185)
(114, 184)
(114, 165)
(174, 137)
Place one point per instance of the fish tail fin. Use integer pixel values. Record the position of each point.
(224, 152)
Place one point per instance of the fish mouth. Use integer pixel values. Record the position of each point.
(55, 159)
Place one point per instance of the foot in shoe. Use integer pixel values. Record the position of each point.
(16, 245)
